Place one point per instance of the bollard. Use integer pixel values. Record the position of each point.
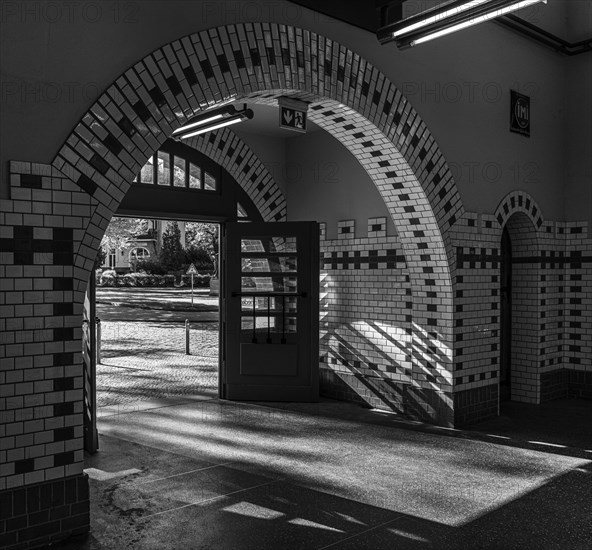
(187, 337)
(98, 321)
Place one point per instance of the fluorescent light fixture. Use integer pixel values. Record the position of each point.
(212, 120)
(205, 129)
(424, 22)
(474, 21)
(445, 18)
(198, 123)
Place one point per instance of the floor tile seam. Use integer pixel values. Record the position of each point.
(188, 505)
(336, 543)
(185, 402)
(139, 482)
(144, 444)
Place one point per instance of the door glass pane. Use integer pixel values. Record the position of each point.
(179, 172)
(147, 172)
(271, 316)
(210, 182)
(164, 168)
(281, 264)
(269, 244)
(194, 176)
(269, 284)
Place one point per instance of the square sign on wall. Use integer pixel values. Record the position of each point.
(292, 113)
(520, 113)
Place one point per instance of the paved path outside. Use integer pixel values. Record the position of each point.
(143, 358)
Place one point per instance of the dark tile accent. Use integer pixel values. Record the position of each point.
(63, 409)
(174, 85)
(63, 384)
(63, 359)
(65, 308)
(24, 466)
(63, 283)
(141, 110)
(157, 96)
(86, 184)
(223, 62)
(63, 334)
(31, 181)
(23, 258)
(113, 144)
(63, 459)
(63, 434)
(286, 57)
(190, 76)
(127, 128)
(99, 164)
(270, 53)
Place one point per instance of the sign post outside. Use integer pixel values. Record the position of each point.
(191, 271)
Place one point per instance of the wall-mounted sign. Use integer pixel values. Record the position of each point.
(292, 114)
(520, 113)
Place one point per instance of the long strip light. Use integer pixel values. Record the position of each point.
(446, 18)
(203, 123)
(439, 16)
(226, 122)
(198, 123)
(474, 21)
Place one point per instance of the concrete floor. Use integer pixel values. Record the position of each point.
(202, 473)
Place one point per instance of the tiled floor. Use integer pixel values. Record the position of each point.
(213, 474)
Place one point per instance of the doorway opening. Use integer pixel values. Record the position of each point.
(505, 379)
(157, 308)
(519, 317)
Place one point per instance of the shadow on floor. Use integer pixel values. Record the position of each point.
(178, 502)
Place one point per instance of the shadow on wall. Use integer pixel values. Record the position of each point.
(373, 367)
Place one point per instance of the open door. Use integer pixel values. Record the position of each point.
(89, 367)
(270, 349)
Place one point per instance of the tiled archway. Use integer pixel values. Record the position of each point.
(519, 214)
(350, 98)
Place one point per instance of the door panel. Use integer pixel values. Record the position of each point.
(89, 365)
(270, 311)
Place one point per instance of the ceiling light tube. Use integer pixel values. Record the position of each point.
(239, 117)
(424, 19)
(206, 118)
(472, 21)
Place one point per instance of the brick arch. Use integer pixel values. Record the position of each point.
(227, 149)
(351, 99)
(519, 201)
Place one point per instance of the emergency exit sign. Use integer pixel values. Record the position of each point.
(293, 114)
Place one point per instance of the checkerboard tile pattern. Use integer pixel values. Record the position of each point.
(346, 230)
(366, 313)
(552, 274)
(377, 227)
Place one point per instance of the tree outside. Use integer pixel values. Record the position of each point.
(172, 255)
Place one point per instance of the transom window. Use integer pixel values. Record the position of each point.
(169, 170)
